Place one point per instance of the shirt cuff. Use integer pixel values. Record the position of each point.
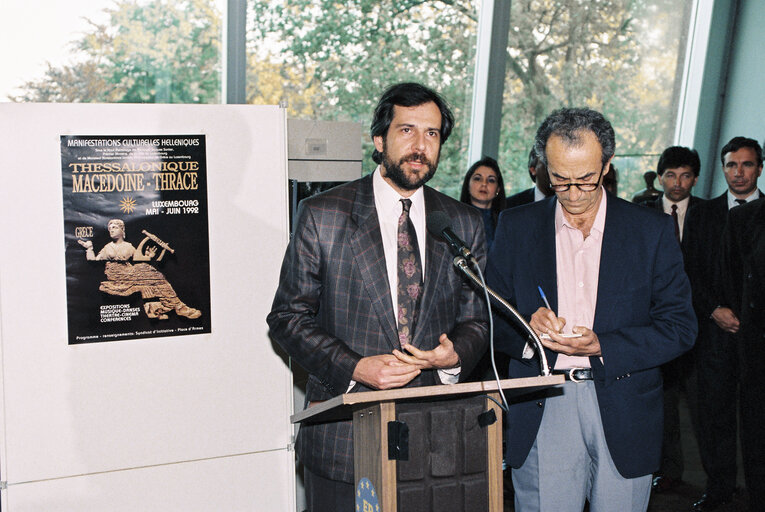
(450, 375)
(447, 376)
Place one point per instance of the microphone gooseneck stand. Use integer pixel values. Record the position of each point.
(461, 263)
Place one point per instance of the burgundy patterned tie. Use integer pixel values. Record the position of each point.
(409, 275)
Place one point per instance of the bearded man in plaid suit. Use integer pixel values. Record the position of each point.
(367, 298)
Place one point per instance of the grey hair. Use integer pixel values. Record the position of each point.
(569, 124)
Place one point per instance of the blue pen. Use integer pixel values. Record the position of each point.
(547, 303)
(544, 297)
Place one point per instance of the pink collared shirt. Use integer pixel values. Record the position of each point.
(578, 267)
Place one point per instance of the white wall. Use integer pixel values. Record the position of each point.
(744, 101)
(196, 422)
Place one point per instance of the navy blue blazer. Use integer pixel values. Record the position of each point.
(643, 319)
(659, 205)
(521, 198)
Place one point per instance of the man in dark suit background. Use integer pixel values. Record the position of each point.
(716, 356)
(613, 275)
(743, 277)
(678, 169)
(367, 298)
(541, 188)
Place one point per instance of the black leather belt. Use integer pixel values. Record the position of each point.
(575, 374)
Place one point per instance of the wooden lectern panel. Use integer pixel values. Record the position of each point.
(454, 462)
(495, 454)
(370, 451)
(447, 470)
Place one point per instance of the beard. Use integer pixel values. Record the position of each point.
(402, 179)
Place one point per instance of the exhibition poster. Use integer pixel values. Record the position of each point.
(136, 236)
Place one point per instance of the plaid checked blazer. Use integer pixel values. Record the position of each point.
(333, 305)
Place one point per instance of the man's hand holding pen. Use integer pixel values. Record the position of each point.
(544, 321)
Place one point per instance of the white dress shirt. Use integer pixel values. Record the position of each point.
(389, 207)
(751, 197)
(682, 209)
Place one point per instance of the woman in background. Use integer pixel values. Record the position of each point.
(484, 188)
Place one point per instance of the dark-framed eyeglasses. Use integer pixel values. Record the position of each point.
(584, 187)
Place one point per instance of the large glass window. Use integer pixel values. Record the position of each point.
(142, 51)
(621, 57)
(331, 60)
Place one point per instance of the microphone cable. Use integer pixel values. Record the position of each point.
(504, 406)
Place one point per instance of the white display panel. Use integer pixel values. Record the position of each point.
(72, 410)
(244, 483)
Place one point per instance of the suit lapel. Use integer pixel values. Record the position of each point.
(366, 244)
(545, 264)
(754, 235)
(438, 260)
(612, 257)
(721, 205)
(610, 279)
(691, 203)
(757, 240)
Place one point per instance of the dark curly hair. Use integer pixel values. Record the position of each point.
(407, 94)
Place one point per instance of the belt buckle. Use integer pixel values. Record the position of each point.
(571, 375)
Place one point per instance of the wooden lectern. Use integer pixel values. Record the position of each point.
(427, 448)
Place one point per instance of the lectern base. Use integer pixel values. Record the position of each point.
(454, 460)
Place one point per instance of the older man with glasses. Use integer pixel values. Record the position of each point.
(617, 306)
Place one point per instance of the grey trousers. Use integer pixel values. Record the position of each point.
(570, 461)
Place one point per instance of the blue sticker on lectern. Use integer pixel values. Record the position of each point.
(366, 497)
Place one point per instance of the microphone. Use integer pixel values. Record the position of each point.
(439, 225)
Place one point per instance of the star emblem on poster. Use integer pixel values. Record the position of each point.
(127, 204)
